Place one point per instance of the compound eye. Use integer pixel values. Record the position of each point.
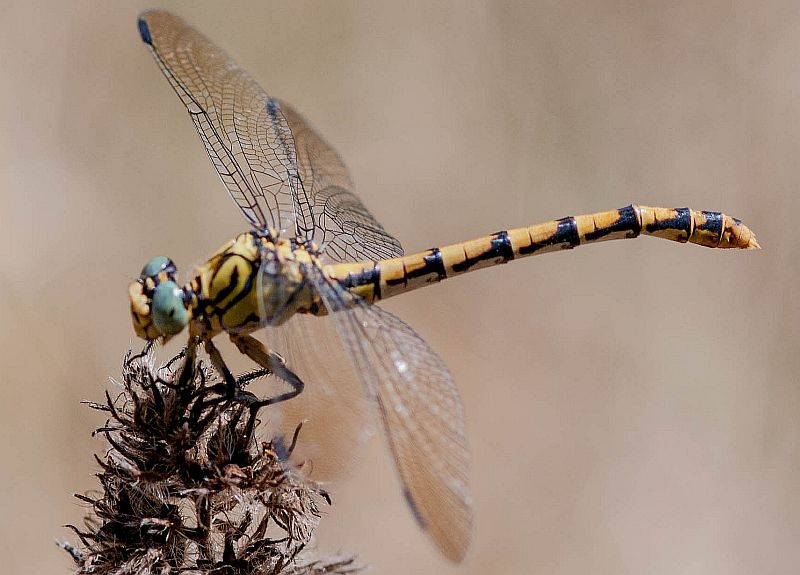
(169, 314)
(157, 265)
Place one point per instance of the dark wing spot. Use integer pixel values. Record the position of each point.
(144, 32)
(272, 108)
(414, 510)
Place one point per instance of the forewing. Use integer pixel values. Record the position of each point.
(279, 172)
(245, 135)
(346, 230)
(421, 411)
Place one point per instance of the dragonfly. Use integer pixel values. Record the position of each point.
(315, 251)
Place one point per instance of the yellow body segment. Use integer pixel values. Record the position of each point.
(227, 281)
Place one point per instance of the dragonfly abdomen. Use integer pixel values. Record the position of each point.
(378, 280)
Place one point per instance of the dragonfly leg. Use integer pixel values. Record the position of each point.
(231, 385)
(187, 369)
(273, 363)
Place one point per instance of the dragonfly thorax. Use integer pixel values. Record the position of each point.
(281, 284)
(253, 281)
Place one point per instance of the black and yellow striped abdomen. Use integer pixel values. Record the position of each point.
(378, 280)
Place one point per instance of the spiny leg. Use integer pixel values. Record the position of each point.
(235, 386)
(271, 362)
(246, 378)
(231, 385)
(189, 362)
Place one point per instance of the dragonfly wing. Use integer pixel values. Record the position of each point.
(346, 229)
(336, 415)
(247, 139)
(279, 172)
(421, 410)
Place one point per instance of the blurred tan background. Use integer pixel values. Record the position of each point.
(632, 407)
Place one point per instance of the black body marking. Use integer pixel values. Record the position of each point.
(376, 281)
(566, 233)
(368, 276)
(188, 296)
(628, 221)
(228, 289)
(231, 285)
(391, 282)
(501, 243)
(435, 263)
(252, 318)
(714, 223)
(500, 248)
(682, 221)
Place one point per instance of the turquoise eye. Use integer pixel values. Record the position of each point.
(169, 314)
(156, 265)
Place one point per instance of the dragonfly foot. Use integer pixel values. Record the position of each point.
(272, 363)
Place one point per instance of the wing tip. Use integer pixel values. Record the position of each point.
(454, 546)
(414, 509)
(144, 31)
(452, 539)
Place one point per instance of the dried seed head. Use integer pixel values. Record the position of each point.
(187, 487)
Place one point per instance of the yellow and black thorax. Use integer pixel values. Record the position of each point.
(252, 281)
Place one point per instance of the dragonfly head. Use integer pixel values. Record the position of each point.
(159, 306)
